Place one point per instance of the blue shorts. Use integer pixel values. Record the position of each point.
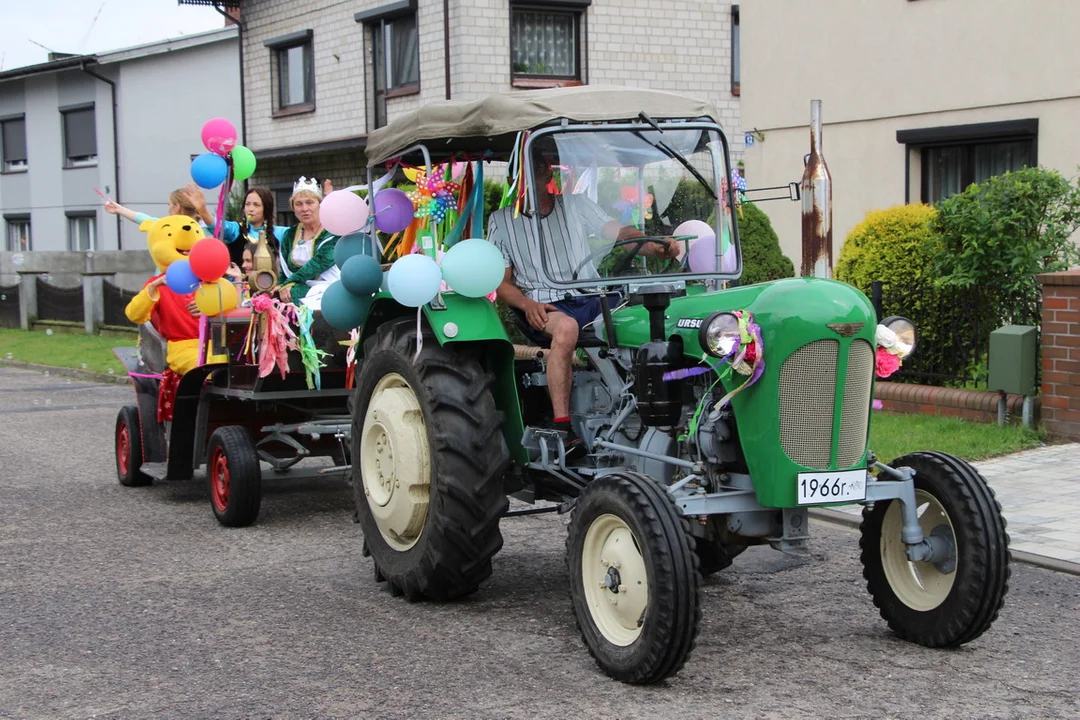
(583, 308)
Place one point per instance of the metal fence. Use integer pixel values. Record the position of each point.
(116, 300)
(953, 327)
(9, 306)
(57, 303)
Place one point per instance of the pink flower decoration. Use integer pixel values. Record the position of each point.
(887, 363)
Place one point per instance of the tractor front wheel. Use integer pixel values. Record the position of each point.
(634, 582)
(956, 597)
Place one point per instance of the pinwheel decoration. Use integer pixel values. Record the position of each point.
(629, 204)
(433, 196)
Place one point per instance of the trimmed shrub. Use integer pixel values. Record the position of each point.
(763, 260)
(897, 246)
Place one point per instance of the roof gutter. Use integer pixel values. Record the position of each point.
(239, 22)
(116, 148)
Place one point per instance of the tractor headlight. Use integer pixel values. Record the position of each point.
(719, 334)
(900, 338)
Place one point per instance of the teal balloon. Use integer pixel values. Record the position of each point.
(352, 244)
(361, 275)
(414, 280)
(343, 310)
(473, 268)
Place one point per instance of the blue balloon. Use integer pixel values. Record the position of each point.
(361, 275)
(180, 278)
(356, 243)
(343, 310)
(414, 280)
(473, 268)
(209, 170)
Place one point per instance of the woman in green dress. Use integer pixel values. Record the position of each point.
(306, 254)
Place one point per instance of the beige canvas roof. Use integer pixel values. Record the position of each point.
(498, 115)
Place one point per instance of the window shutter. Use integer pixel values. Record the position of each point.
(80, 133)
(14, 140)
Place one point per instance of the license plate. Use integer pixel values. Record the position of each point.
(831, 487)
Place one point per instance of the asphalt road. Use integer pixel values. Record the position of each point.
(134, 603)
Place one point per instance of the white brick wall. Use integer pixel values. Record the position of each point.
(678, 45)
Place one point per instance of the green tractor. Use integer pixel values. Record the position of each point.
(714, 416)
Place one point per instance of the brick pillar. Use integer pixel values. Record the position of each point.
(1061, 353)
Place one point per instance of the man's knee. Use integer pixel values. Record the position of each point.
(564, 332)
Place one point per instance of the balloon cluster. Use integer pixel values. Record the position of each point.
(433, 196)
(703, 248)
(203, 273)
(212, 168)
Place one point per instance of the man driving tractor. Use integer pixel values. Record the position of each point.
(550, 316)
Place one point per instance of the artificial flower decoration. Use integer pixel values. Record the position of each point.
(433, 196)
(746, 358)
(886, 363)
(890, 351)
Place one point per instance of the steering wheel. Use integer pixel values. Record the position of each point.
(638, 243)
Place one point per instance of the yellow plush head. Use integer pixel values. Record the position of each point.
(171, 238)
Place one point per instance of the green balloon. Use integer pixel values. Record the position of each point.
(243, 163)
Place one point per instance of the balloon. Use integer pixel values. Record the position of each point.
(414, 280)
(343, 212)
(214, 298)
(703, 256)
(696, 228)
(209, 170)
(243, 163)
(219, 136)
(361, 275)
(209, 259)
(352, 244)
(473, 268)
(180, 278)
(393, 210)
(343, 310)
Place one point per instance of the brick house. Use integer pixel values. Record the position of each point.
(319, 75)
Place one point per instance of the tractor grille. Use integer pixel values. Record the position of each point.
(855, 417)
(807, 393)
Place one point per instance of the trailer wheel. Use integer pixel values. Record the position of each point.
(954, 599)
(234, 475)
(428, 458)
(634, 582)
(129, 451)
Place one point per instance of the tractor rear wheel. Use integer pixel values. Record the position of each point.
(234, 475)
(428, 459)
(129, 450)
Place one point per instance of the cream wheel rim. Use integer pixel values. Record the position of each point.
(615, 579)
(395, 462)
(919, 585)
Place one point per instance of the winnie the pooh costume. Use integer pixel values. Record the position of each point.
(170, 239)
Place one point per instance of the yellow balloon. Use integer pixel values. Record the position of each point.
(411, 173)
(216, 297)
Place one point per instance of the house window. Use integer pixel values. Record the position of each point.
(952, 158)
(80, 137)
(18, 233)
(545, 43)
(293, 69)
(13, 142)
(736, 70)
(396, 61)
(283, 214)
(82, 232)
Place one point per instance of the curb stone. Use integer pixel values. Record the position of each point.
(843, 519)
(69, 372)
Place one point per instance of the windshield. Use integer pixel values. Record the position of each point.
(631, 206)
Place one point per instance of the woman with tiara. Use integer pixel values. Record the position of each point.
(306, 253)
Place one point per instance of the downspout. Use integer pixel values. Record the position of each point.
(116, 148)
(239, 22)
(446, 45)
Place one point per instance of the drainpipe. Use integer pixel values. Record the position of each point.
(446, 45)
(817, 205)
(116, 148)
(239, 22)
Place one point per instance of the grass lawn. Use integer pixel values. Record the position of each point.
(893, 435)
(64, 349)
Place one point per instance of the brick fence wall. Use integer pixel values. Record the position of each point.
(978, 405)
(1061, 353)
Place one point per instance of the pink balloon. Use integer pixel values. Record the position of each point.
(697, 228)
(343, 212)
(219, 136)
(393, 210)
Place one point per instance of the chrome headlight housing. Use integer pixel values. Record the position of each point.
(719, 334)
(900, 338)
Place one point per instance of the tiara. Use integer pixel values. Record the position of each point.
(305, 184)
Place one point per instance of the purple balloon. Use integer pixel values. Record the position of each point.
(393, 210)
(703, 255)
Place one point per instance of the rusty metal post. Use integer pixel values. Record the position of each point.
(816, 205)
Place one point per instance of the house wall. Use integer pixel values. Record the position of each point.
(901, 65)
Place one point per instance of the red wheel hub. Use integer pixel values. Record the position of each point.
(123, 449)
(219, 480)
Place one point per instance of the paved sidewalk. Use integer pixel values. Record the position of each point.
(1039, 492)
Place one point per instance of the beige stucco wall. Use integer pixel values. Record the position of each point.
(885, 65)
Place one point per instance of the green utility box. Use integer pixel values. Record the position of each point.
(1012, 359)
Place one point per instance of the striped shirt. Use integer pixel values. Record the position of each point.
(565, 236)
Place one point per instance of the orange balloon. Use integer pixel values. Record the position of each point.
(215, 298)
